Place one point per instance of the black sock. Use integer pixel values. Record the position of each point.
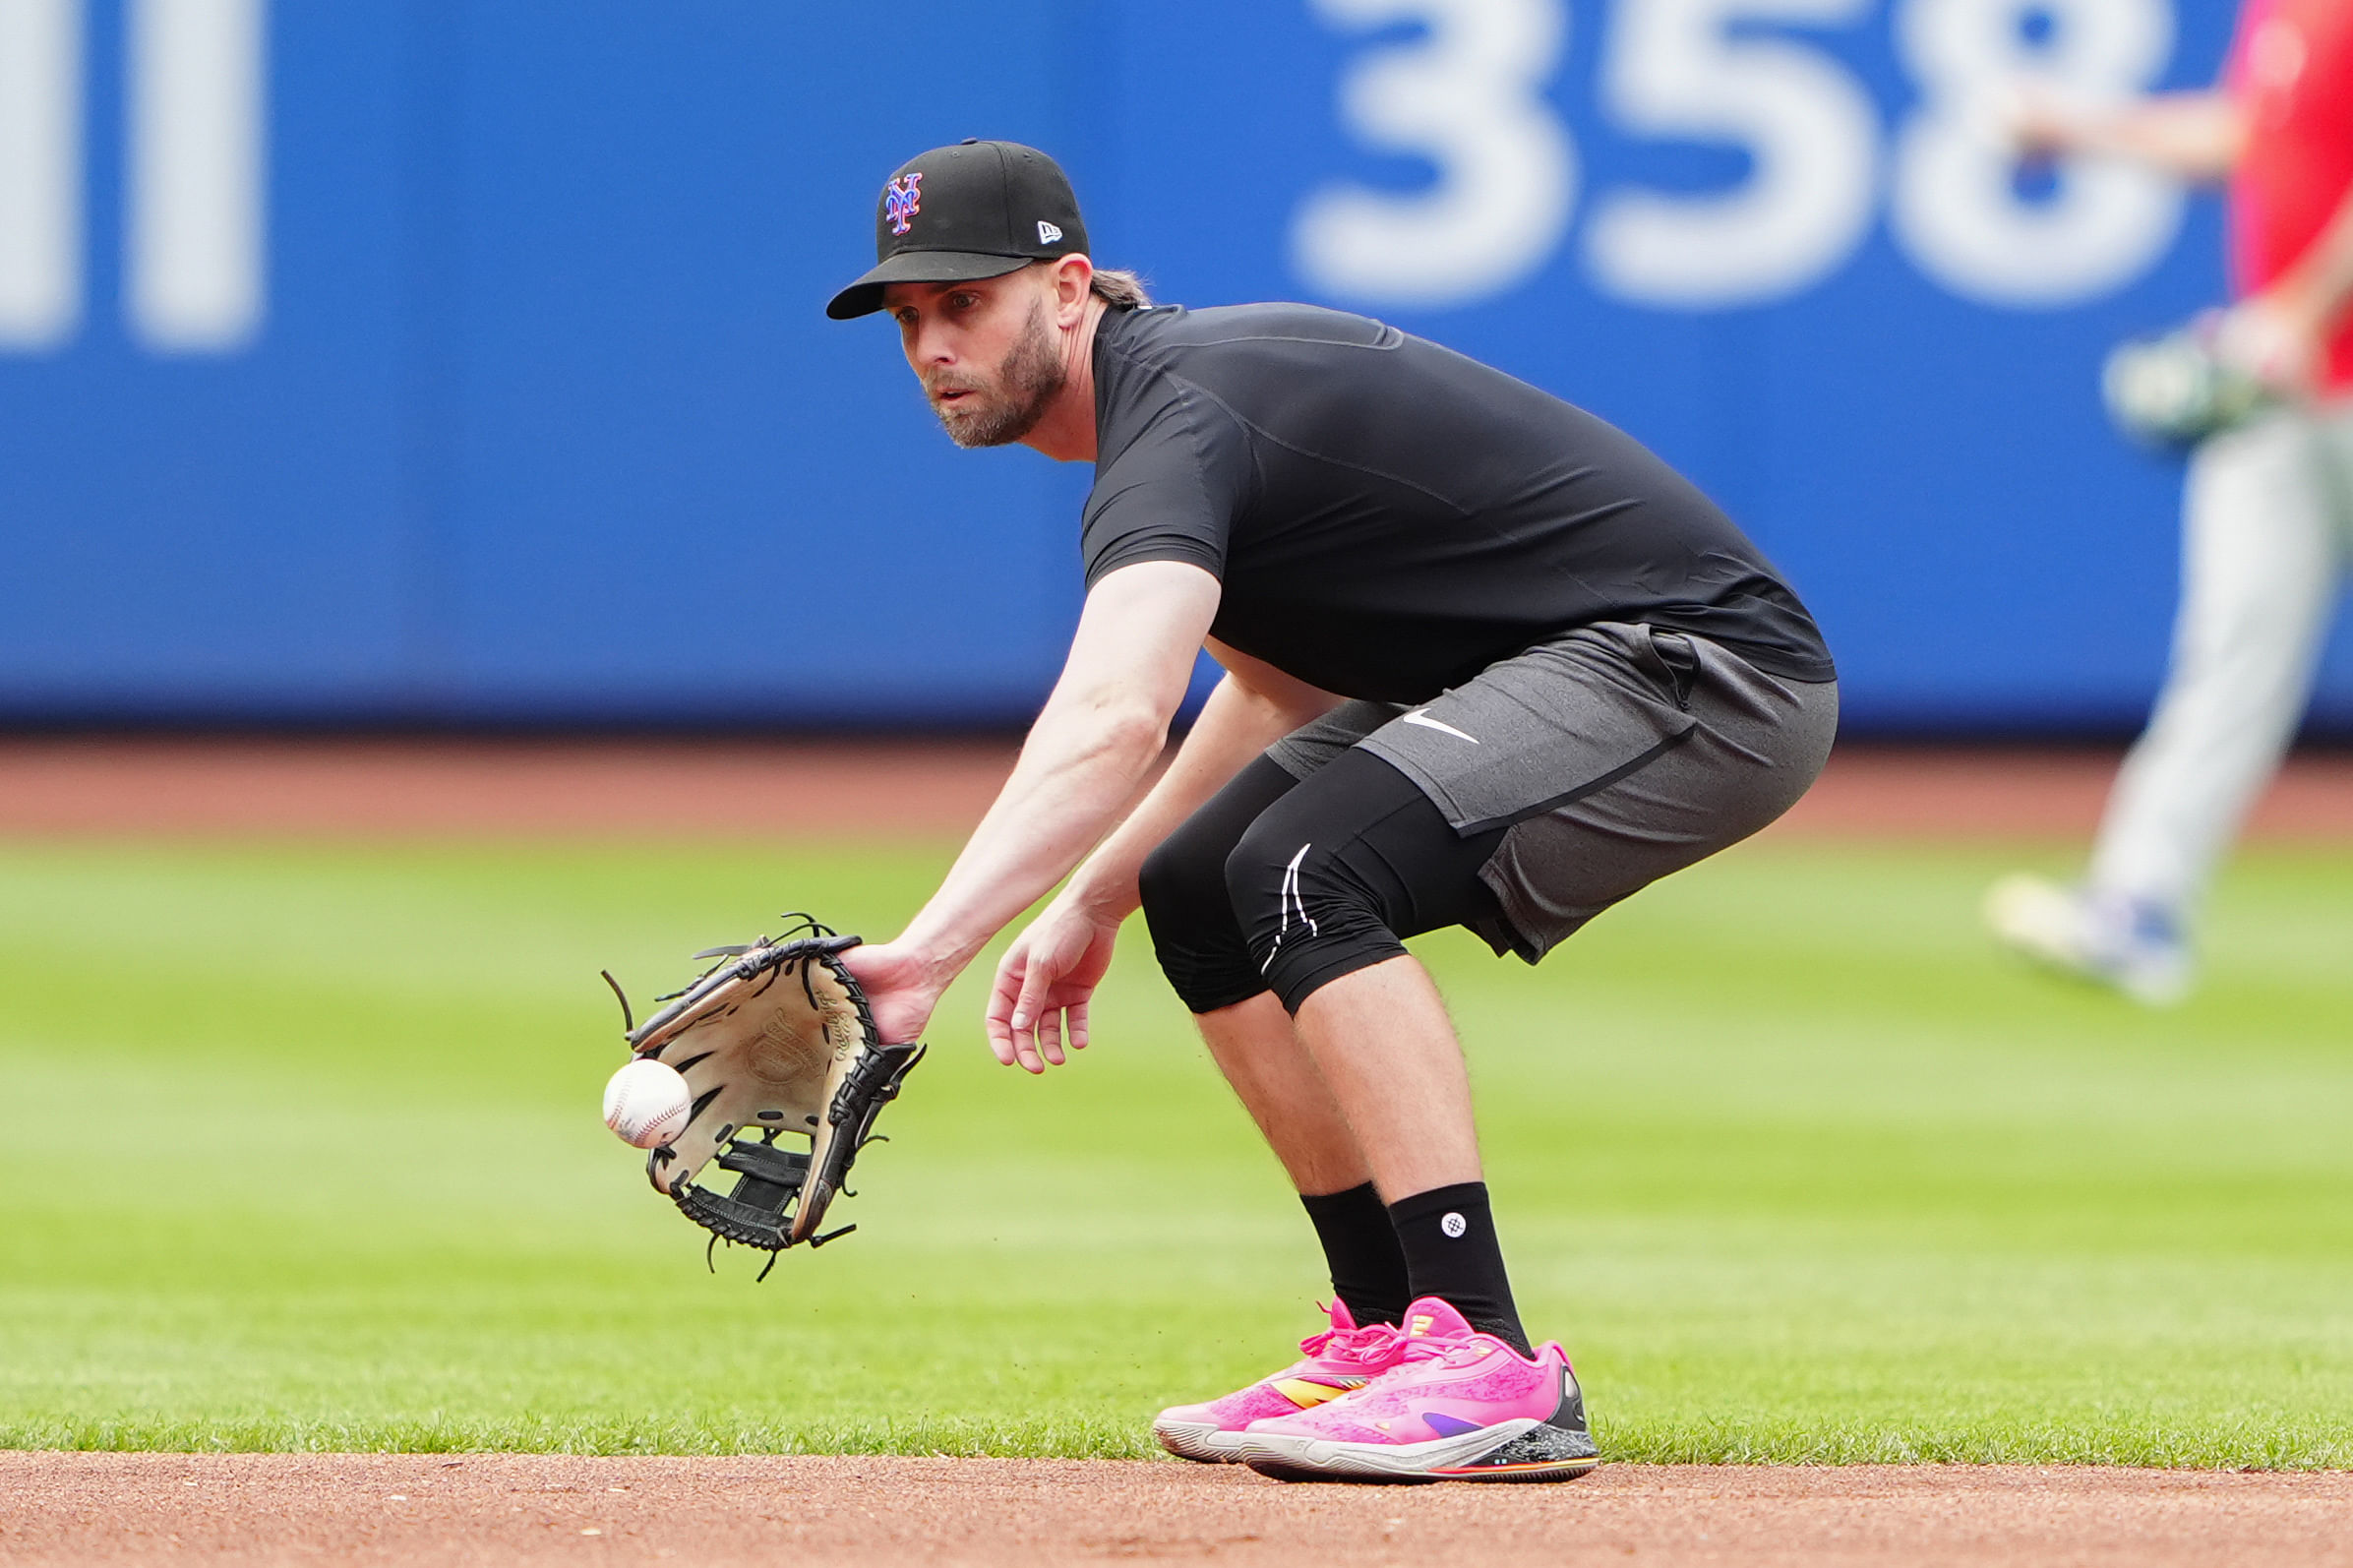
(1448, 1238)
(1369, 1272)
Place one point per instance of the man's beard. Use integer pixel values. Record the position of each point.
(1029, 379)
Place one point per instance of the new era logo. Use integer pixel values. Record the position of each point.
(1046, 232)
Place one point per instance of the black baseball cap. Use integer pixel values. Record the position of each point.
(975, 210)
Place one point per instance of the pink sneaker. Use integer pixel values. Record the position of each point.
(1342, 1357)
(1456, 1406)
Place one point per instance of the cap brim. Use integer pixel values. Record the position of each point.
(865, 297)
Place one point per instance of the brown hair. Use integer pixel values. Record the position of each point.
(1120, 289)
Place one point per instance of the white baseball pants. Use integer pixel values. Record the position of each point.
(2267, 539)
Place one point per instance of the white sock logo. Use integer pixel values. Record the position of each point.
(1453, 1225)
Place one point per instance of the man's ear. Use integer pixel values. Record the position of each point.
(1074, 278)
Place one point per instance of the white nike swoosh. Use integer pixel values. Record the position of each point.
(1422, 718)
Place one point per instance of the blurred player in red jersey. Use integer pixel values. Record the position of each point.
(2268, 507)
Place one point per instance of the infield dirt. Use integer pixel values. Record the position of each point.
(116, 1509)
(787, 788)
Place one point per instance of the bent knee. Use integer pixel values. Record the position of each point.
(1171, 886)
(1305, 917)
(1191, 920)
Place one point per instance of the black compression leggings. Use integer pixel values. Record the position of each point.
(1284, 884)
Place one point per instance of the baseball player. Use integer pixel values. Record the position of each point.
(2268, 507)
(1488, 662)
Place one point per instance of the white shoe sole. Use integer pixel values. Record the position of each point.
(1303, 1458)
(1204, 1441)
(2047, 924)
(2038, 919)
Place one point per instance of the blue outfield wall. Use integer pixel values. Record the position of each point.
(426, 360)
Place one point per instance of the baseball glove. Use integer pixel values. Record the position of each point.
(2177, 390)
(774, 1038)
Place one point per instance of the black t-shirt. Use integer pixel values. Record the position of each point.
(1389, 518)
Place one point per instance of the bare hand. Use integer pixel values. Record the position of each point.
(1044, 985)
(901, 987)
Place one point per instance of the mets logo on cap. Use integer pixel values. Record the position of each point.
(902, 198)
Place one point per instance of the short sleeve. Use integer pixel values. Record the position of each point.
(1177, 473)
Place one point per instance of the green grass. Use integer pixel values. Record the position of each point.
(303, 1153)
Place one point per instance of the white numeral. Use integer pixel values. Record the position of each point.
(1675, 70)
(1955, 209)
(1470, 100)
(197, 177)
(40, 172)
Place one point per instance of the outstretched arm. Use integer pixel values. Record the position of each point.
(2191, 136)
(2280, 333)
(1047, 978)
(1095, 740)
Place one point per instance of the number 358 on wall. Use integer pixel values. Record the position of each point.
(1467, 95)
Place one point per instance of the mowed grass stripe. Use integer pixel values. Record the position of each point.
(304, 1153)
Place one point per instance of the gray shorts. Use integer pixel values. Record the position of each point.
(1613, 755)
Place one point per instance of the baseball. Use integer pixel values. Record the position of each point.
(646, 1104)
